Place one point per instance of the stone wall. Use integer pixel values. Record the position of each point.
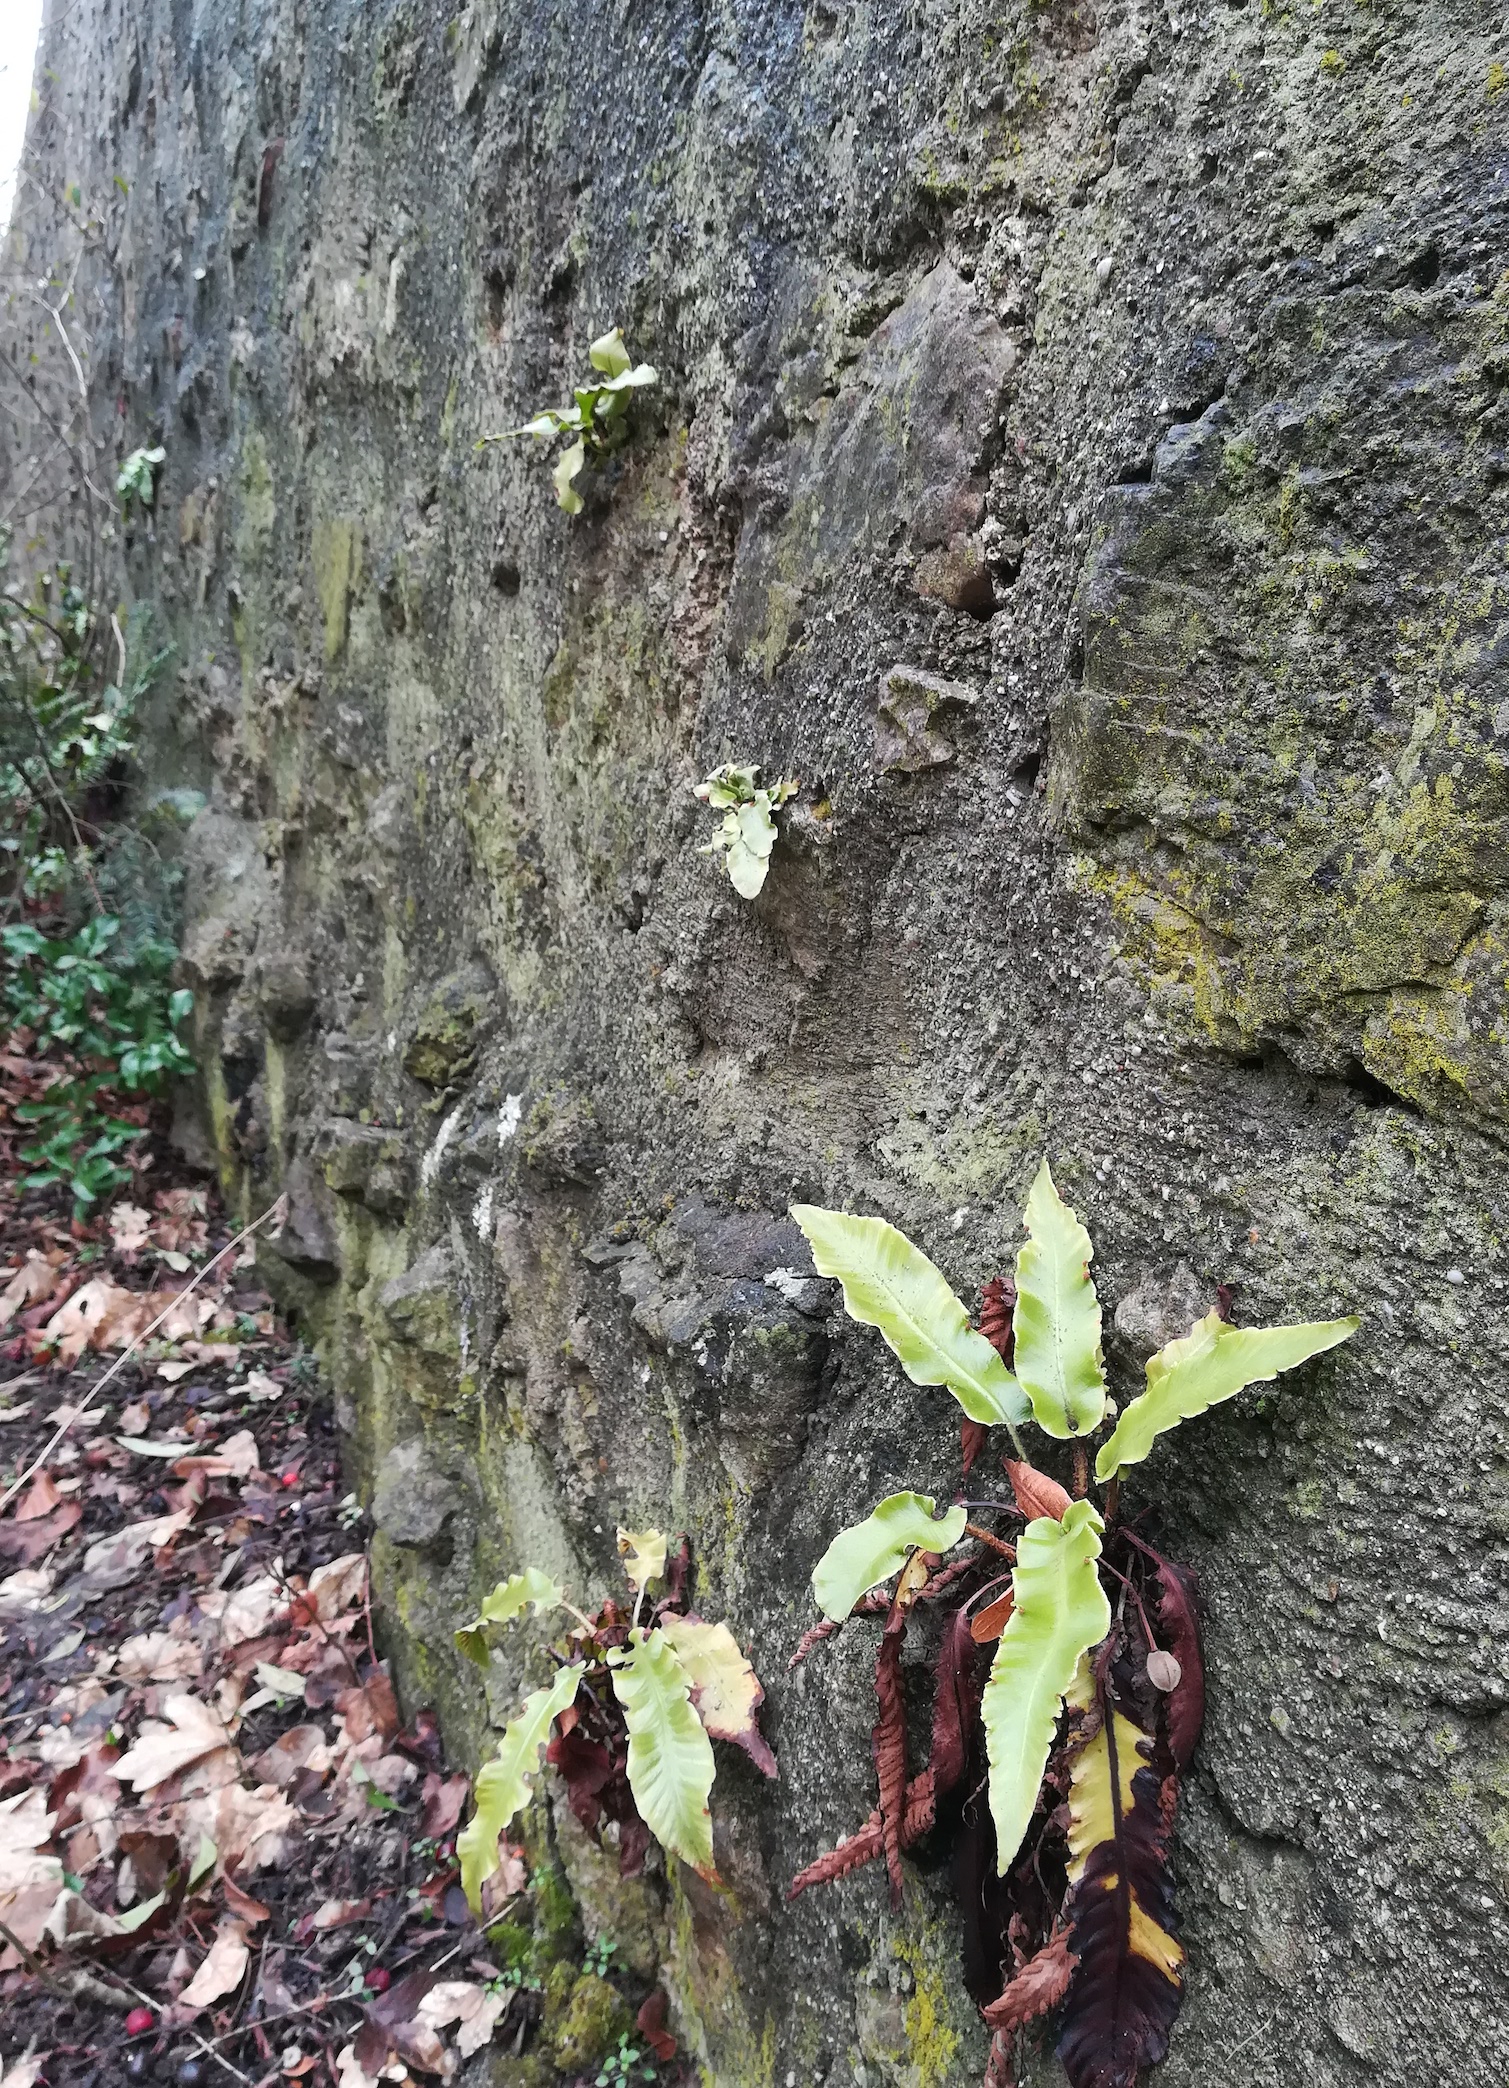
(1080, 458)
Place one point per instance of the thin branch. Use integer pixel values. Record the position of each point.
(129, 1350)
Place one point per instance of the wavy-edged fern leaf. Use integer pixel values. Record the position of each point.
(1129, 1980)
(1057, 1316)
(508, 1600)
(726, 1691)
(670, 1756)
(502, 1789)
(867, 1553)
(891, 1285)
(1212, 1362)
(1060, 1611)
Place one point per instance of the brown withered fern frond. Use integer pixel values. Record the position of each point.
(997, 1303)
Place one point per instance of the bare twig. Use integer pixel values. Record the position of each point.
(203, 2043)
(273, 1210)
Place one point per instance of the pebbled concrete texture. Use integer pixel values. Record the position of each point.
(1079, 458)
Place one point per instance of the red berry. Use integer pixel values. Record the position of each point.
(378, 1979)
(291, 1478)
(139, 2022)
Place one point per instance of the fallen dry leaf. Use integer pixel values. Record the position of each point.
(370, 1707)
(222, 1969)
(24, 2072)
(259, 1386)
(89, 1317)
(442, 1803)
(129, 1227)
(301, 1747)
(335, 1913)
(252, 1827)
(250, 1611)
(241, 1904)
(208, 1353)
(30, 1879)
(162, 1751)
(182, 1223)
(33, 1283)
(29, 1540)
(236, 1458)
(170, 1372)
(39, 1499)
(462, 2002)
(350, 2073)
(157, 1656)
(127, 1549)
(335, 1587)
(22, 1591)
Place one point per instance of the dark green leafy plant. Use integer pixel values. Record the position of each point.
(90, 999)
(116, 1019)
(1060, 1773)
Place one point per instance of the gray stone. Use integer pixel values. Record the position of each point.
(906, 736)
(1161, 1308)
(412, 1498)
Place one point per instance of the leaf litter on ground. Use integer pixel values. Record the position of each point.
(210, 1809)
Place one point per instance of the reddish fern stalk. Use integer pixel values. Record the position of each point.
(888, 1743)
(999, 2071)
(867, 1606)
(866, 1845)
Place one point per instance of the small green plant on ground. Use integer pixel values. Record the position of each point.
(599, 1956)
(596, 417)
(1060, 1775)
(627, 2063)
(641, 1693)
(87, 996)
(747, 833)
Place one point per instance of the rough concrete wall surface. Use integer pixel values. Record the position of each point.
(1080, 458)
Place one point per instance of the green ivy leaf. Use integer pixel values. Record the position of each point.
(670, 1761)
(508, 1600)
(1214, 1361)
(1057, 1317)
(891, 1285)
(502, 1789)
(867, 1553)
(1060, 1612)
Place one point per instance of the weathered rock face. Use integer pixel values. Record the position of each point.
(1080, 458)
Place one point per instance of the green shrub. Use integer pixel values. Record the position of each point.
(96, 996)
